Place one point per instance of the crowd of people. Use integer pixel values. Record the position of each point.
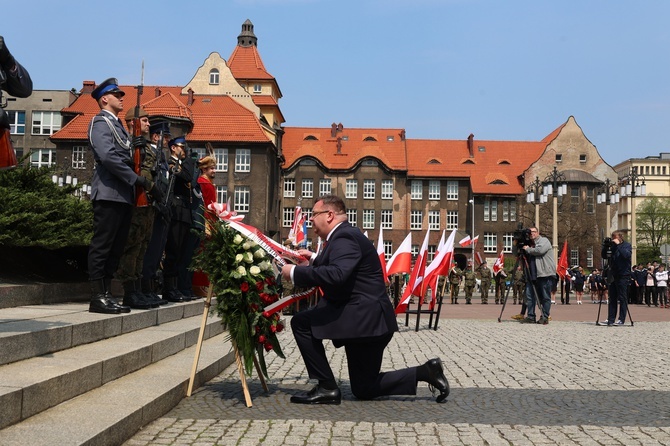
(147, 210)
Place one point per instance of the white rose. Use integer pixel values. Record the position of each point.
(239, 258)
(248, 257)
(241, 271)
(259, 254)
(264, 265)
(253, 243)
(238, 239)
(254, 270)
(246, 246)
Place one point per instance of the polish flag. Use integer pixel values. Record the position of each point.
(401, 260)
(467, 241)
(441, 264)
(381, 254)
(479, 258)
(416, 285)
(500, 263)
(297, 232)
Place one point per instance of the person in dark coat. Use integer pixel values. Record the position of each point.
(355, 313)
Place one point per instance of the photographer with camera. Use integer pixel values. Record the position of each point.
(543, 257)
(618, 253)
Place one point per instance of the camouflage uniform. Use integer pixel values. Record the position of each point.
(519, 285)
(499, 280)
(470, 282)
(485, 276)
(455, 276)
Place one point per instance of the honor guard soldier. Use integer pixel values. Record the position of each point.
(470, 282)
(485, 277)
(141, 223)
(15, 80)
(500, 286)
(455, 276)
(519, 285)
(112, 195)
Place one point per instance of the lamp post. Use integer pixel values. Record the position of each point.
(533, 196)
(608, 195)
(633, 185)
(64, 178)
(472, 204)
(553, 188)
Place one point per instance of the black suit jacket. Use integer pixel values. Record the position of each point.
(355, 304)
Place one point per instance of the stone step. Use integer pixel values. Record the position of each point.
(114, 412)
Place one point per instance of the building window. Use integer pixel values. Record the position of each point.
(430, 253)
(388, 249)
(79, 157)
(352, 216)
(505, 205)
(307, 213)
(46, 122)
(416, 187)
(221, 156)
(287, 217)
(490, 242)
(574, 257)
(351, 189)
(258, 88)
(590, 200)
(416, 220)
(289, 187)
(222, 194)
(387, 219)
(242, 160)
(242, 198)
(559, 158)
(307, 188)
(368, 219)
(487, 210)
(42, 158)
(508, 242)
(452, 220)
(589, 257)
(494, 210)
(324, 187)
(369, 189)
(574, 199)
(512, 210)
(433, 190)
(582, 158)
(17, 122)
(434, 220)
(387, 189)
(452, 190)
(415, 251)
(214, 77)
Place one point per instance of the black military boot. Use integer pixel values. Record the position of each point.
(99, 302)
(147, 287)
(133, 298)
(170, 291)
(112, 299)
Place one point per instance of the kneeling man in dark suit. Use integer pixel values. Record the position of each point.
(354, 312)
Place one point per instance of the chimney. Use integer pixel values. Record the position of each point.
(88, 87)
(471, 145)
(190, 97)
(402, 135)
(157, 92)
(340, 127)
(333, 130)
(339, 145)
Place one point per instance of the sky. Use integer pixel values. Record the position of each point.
(511, 70)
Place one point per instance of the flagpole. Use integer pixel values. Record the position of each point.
(472, 202)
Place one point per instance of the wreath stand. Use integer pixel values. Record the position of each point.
(238, 358)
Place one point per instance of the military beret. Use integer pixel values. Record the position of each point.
(131, 114)
(108, 86)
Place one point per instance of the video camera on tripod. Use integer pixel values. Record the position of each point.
(521, 238)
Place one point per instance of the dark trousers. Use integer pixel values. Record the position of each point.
(154, 254)
(364, 360)
(618, 297)
(185, 276)
(649, 294)
(111, 223)
(175, 247)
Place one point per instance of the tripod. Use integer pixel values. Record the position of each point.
(523, 261)
(610, 281)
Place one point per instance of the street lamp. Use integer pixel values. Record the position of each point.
(608, 195)
(633, 185)
(472, 203)
(553, 188)
(534, 196)
(64, 177)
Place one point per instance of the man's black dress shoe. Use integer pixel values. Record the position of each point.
(437, 380)
(318, 396)
(103, 305)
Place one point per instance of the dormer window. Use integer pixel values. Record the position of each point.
(310, 138)
(370, 138)
(390, 138)
(214, 77)
(257, 88)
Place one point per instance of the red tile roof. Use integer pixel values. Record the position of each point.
(246, 63)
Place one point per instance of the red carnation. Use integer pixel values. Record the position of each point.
(261, 339)
(273, 328)
(244, 287)
(280, 327)
(270, 280)
(260, 285)
(268, 346)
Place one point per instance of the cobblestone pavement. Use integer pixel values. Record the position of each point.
(511, 384)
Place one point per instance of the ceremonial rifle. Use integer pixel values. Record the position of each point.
(141, 199)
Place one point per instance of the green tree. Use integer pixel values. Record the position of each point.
(34, 212)
(653, 222)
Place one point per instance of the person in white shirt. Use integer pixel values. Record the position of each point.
(662, 286)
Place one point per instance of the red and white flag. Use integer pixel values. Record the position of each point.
(467, 241)
(479, 258)
(297, 232)
(441, 264)
(416, 284)
(381, 253)
(500, 263)
(562, 267)
(401, 260)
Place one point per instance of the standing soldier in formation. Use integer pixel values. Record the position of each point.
(455, 276)
(519, 285)
(470, 282)
(141, 223)
(499, 279)
(485, 277)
